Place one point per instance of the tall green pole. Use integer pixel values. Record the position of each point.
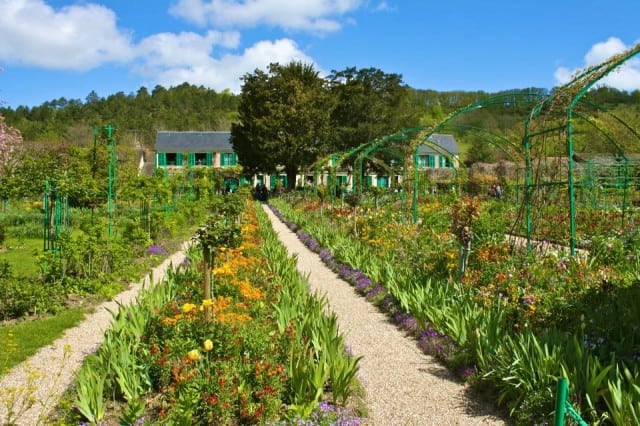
(570, 180)
(111, 177)
(416, 176)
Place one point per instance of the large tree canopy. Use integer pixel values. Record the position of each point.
(371, 104)
(284, 119)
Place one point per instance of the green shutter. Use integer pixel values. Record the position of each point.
(431, 161)
(179, 159)
(162, 159)
(191, 159)
(209, 159)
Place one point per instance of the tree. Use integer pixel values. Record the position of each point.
(10, 141)
(284, 118)
(370, 104)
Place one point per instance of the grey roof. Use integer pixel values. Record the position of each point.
(193, 142)
(446, 142)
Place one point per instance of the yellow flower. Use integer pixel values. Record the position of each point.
(194, 355)
(188, 307)
(207, 303)
(207, 345)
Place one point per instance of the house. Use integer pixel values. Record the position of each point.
(179, 149)
(176, 150)
(447, 155)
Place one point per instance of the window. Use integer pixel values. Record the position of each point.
(228, 159)
(201, 159)
(173, 158)
(383, 182)
(427, 161)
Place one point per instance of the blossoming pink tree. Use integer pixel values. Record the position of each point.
(10, 140)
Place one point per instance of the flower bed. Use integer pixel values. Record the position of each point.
(179, 358)
(514, 323)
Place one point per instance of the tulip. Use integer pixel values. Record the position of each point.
(208, 345)
(194, 355)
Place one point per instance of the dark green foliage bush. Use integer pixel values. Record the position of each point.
(20, 296)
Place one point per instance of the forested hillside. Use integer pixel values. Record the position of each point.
(138, 116)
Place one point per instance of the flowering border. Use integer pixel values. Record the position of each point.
(431, 342)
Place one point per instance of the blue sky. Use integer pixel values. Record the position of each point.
(67, 48)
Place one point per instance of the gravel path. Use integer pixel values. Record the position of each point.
(49, 373)
(403, 385)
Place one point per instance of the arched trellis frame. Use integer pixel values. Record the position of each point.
(512, 150)
(550, 134)
(331, 162)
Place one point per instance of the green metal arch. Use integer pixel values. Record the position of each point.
(562, 103)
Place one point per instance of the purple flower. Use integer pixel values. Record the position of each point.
(406, 322)
(377, 289)
(467, 371)
(156, 249)
(313, 244)
(363, 283)
(326, 255)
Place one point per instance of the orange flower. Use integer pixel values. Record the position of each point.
(169, 321)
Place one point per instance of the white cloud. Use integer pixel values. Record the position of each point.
(85, 36)
(168, 49)
(383, 6)
(626, 77)
(78, 37)
(199, 68)
(306, 15)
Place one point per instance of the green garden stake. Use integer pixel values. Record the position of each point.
(563, 407)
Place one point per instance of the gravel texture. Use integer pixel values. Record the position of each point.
(45, 376)
(403, 385)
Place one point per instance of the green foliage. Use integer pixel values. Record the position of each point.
(184, 107)
(522, 319)
(22, 296)
(228, 369)
(89, 391)
(370, 104)
(284, 119)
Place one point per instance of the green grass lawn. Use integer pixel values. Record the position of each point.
(22, 255)
(28, 336)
